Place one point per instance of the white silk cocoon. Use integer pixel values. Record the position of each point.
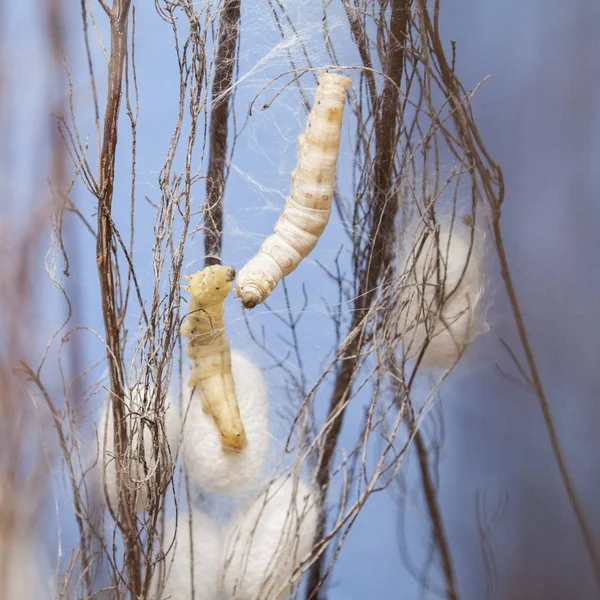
(141, 469)
(440, 298)
(207, 545)
(212, 468)
(267, 541)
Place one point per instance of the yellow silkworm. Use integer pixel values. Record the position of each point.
(209, 349)
(308, 207)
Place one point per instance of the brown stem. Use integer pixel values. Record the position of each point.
(104, 242)
(221, 96)
(435, 514)
(384, 209)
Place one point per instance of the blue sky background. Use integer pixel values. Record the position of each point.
(539, 115)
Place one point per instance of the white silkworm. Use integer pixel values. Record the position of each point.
(440, 298)
(266, 542)
(207, 546)
(308, 207)
(159, 451)
(208, 463)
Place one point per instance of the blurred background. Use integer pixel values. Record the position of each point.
(510, 527)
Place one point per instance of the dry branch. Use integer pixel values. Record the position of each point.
(384, 207)
(222, 93)
(119, 15)
(435, 515)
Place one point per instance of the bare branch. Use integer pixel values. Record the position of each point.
(222, 93)
(384, 207)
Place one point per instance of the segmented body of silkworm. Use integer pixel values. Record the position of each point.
(308, 208)
(209, 349)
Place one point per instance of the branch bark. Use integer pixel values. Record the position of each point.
(118, 15)
(221, 107)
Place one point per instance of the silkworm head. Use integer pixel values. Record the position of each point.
(229, 426)
(250, 300)
(212, 284)
(234, 439)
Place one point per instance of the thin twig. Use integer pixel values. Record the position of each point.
(435, 514)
